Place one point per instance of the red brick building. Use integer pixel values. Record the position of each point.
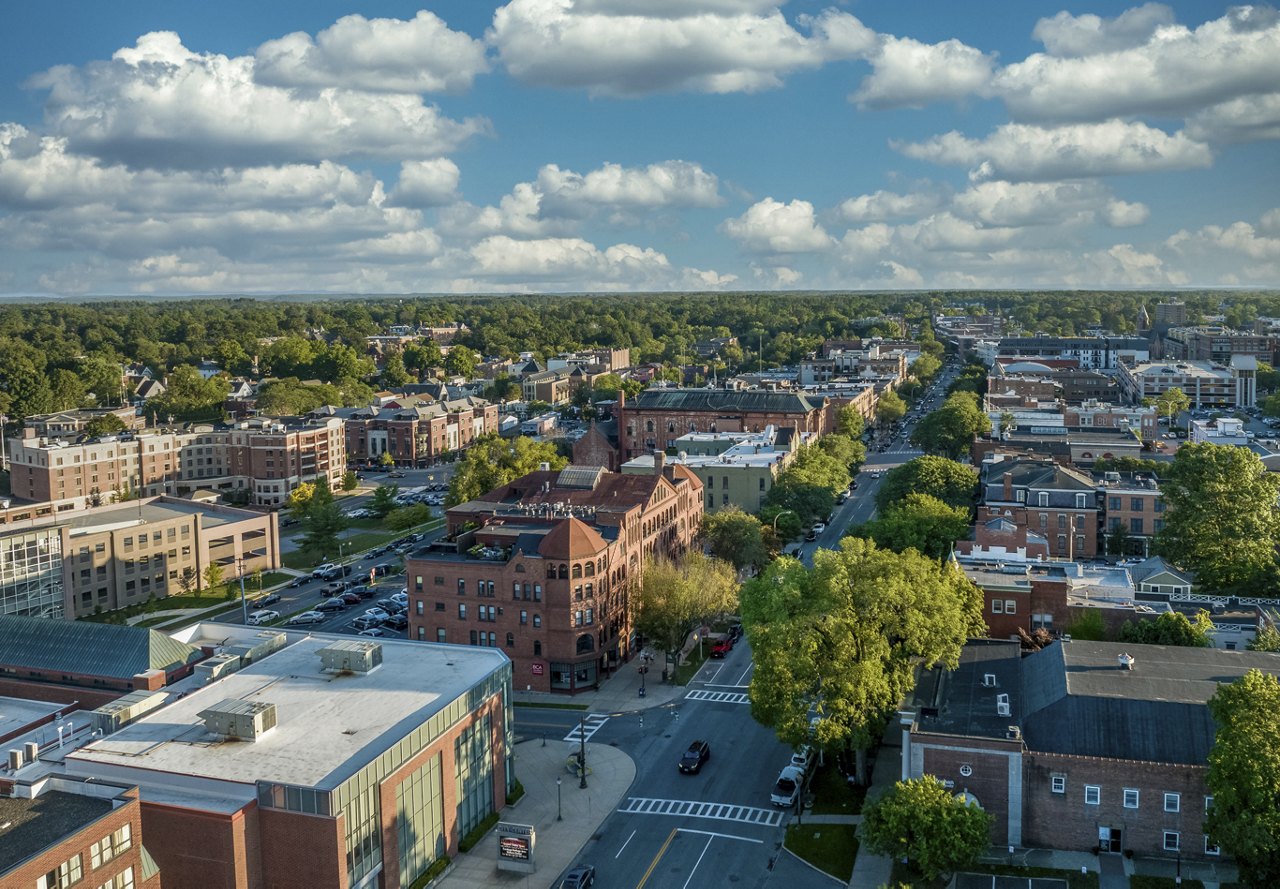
(416, 432)
(1058, 502)
(543, 568)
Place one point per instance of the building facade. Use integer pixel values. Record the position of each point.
(1207, 384)
(416, 433)
(544, 568)
(1058, 502)
(1092, 353)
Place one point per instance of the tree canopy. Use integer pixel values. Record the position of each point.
(736, 537)
(921, 821)
(492, 461)
(1172, 402)
(951, 482)
(674, 597)
(890, 408)
(920, 522)
(104, 424)
(949, 431)
(1171, 628)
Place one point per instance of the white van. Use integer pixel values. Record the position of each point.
(265, 616)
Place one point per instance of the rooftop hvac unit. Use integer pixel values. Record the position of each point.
(218, 666)
(115, 715)
(988, 680)
(351, 657)
(243, 720)
(15, 759)
(1002, 705)
(258, 647)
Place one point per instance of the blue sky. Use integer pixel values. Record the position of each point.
(636, 145)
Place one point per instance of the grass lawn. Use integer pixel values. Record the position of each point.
(832, 794)
(1075, 879)
(831, 848)
(689, 669)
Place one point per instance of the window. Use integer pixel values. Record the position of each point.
(511, 640)
(591, 616)
(1010, 606)
(1158, 506)
(537, 648)
(1042, 498)
(537, 620)
(1173, 802)
(1080, 501)
(524, 618)
(997, 606)
(1114, 502)
(1022, 496)
(440, 635)
(439, 606)
(1135, 526)
(1208, 804)
(577, 618)
(68, 873)
(1171, 841)
(1058, 783)
(422, 606)
(462, 611)
(537, 592)
(462, 587)
(1092, 794)
(1130, 798)
(1136, 504)
(1210, 847)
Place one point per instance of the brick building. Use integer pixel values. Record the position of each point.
(1059, 502)
(62, 833)
(543, 568)
(1217, 344)
(1073, 747)
(327, 763)
(416, 432)
(266, 457)
(1133, 507)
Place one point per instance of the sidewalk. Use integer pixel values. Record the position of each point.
(872, 871)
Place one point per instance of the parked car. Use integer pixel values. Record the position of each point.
(787, 788)
(350, 598)
(322, 570)
(331, 605)
(397, 621)
(722, 647)
(693, 758)
(307, 617)
(377, 614)
(264, 616)
(580, 877)
(337, 588)
(402, 597)
(372, 631)
(735, 632)
(366, 622)
(802, 757)
(388, 605)
(264, 601)
(381, 570)
(819, 527)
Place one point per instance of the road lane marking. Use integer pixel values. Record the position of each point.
(698, 862)
(718, 697)
(723, 836)
(593, 724)
(624, 845)
(656, 859)
(639, 805)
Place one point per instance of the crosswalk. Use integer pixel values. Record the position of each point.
(592, 725)
(719, 697)
(638, 805)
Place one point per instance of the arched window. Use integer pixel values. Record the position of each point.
(519, 569)
(564, 572)
(586, 643)
(648, 426)
(591, 569)
(577, 570)
(551, 572)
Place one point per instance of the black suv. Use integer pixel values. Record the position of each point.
(698, 753)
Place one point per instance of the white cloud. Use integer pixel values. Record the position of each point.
(158, 104)
(883, 205)
(1025, 152)
(1270, 222)
(1251, 119)
(518, 214)
(667, 184)
(1121, 214)
(777, 276)
(908, 73)
(725, 48)
(769, 226)
(676, 8)
(1177, 71)
(1239, 238)
(379, 55)
(428, 183)
(1084, 35)
(1003, 203)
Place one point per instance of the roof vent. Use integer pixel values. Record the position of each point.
(988, 680)
(241, 720)
(1127, 661)
(1013, 733)
(351, 657)
(1002, 705)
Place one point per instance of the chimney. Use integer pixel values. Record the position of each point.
(1008, 487)
(659, 461)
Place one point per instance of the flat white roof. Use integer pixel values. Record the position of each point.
(328, 727)
(16, 713)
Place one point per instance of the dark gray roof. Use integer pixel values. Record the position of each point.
(33, 825)
(957, 702)
(89, 649)
(723, 401)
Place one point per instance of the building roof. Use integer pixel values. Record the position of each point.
(1157, 565)
(29, 826)
(571, 538)
(723, 401)
(89, 649)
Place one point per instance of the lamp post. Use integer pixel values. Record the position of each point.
(780, 515)
(244, 603)
(582, 756)
(559, 815)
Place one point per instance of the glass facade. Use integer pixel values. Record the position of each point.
(31, 573)
(420, 820)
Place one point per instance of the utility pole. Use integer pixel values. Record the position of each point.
(582, 756)
(244, 603)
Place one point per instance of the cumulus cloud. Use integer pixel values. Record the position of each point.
(724, 48)
(666, 184)
(1083, 35)
(1023, 152)
(769, 226)
(1253, 119)
(911, 74)
(159, 104)
(379, 55)
(883, 205)
(1239, 238)
(1176, 71)
(428, 183)
(675, 8)
(1122, 214)
(1031, 203)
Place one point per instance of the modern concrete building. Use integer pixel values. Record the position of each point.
(1092, 353)
(1207, 384)
(1217, 344)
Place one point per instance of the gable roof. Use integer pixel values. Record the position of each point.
(1149, 568)
(89, 649)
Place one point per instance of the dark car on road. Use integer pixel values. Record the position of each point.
(264, 601)
(300, 581)
(698, 753)
(580, 877)
(396, 622)
(331, 605)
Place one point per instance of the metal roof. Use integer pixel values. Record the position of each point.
(723, 401)
(89, 649)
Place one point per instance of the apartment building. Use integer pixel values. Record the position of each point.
(1217, 344)
(1058, 502)
(71, 423)
(268, 458)
(1133, 508)
(543, 568)
(72, 563)
(600, 360)
(1092, 352)
(415, 432)
(1206, 383)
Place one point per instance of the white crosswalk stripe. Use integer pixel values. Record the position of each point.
(593, 724)
(639, 805)
(720, 697)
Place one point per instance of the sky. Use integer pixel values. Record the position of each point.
(465, 146)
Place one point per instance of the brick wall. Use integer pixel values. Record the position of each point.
(988, 762)
(201, 848)
(300, 850)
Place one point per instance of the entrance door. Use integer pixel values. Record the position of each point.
(1109, 839)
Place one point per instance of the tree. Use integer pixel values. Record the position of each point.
(394, 374)
(1088, 627)
(846, 636)
(386, 459)
(322, 523)
(850, 422)
(1267, 639)
(212, 576)
(848, 452)
(299, 500)
(950, 430)
(972, 378)
(921, 821)
(920, 522)
(502, 389)
(349, 480)
(925, 368)
(460, 362)
(492, 461)
(1172, 402)
(188, 580)
(1221, 519)
(1171, 628)
(383, 499)
(189, 396)
(1007, 421)
(422, 355)
(674, 597)
(1244, 776)
(104, 424)
(951, 482)
(890, 408)
(1268, 377)
(1118, 540)
(406, 517)
(736, 537)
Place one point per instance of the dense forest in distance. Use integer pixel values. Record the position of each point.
(54, 352)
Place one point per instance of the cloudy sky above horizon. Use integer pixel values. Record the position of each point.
(636, 145)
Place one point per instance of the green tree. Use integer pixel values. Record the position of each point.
(299, 500)
(386, 459)
(1221, 519)
(460, 362)
(66, 390)
(503, 389)
(925, 368)
(103, 379)
(949, 431)
(394, 374)
(850, 422)
(1244, 776)
(920, 522)
(188, 581)
(890, 408)
(422, 355)
(921, 821)
(190, 397)
(736, 537)
(405, 517)
(349, 480)
(845, 638)
(675, 597)
(1171, 403)
(1171, 628)
(1118, 540)
(951, 482)
(848, 452)
(1267, 639)
(1268, 377)
(383, 499)
(1088, 627)
(322, 523)
(492, 461)
(1007, 421)
(104, 424)
(212, 576)
(972, 378)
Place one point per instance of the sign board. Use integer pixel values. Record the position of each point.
(515, 847)
(537, 669)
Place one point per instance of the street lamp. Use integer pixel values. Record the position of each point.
(559, 815)
(582, 756)
(780, 515)
(244, 603)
